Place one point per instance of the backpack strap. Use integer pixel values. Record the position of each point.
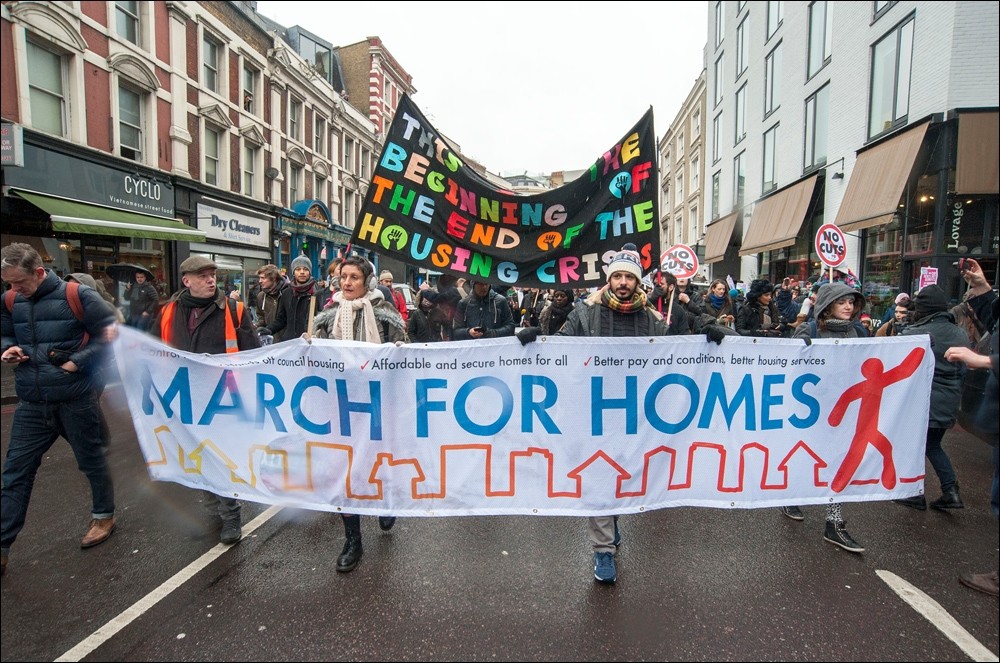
(76, 305)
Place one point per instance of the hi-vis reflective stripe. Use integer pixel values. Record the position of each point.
(167, 325)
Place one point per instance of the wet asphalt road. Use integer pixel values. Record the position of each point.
(694, 584)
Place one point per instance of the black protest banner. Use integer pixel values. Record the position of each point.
(427, 208)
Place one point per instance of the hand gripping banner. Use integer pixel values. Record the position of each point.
(562, 426)
(428, 208)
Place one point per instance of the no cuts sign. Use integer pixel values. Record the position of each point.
(679, 260)
(831, 245)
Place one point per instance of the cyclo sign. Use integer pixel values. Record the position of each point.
(679, 260)
(831, 245)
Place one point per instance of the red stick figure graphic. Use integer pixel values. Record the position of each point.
(869, 393)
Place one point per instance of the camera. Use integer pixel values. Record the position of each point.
(960, 265)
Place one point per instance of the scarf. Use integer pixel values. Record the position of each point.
(838, 326)
(343, 325)
(633, 305)
(187, 300)
(559, 315)
(304, 289)
(717, 302)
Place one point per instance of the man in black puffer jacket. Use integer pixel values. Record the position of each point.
(57, 381)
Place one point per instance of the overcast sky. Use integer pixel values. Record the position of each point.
(528, 86)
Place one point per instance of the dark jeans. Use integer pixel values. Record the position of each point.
(939, 459)
(36, 426)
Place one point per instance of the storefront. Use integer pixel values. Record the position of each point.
(309, 230)
(238, 239)
(922, 199)
(86, 212)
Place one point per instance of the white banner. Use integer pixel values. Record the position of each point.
(563, 426)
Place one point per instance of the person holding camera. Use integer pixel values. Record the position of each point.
(483, 314)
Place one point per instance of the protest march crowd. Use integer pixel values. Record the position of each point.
(57, 333)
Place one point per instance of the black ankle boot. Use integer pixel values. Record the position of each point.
(949, 499)
(351, 554)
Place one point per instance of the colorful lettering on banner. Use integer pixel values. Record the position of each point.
(429, 208)
(561, 426)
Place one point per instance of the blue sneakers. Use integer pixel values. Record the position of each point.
(604, 568)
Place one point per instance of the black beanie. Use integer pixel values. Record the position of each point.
(931, 299)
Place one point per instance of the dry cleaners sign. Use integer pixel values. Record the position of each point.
(229, 225)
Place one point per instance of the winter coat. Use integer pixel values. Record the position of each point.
(44, 323)
(391, 327)
(292, 318)
(209, 334)
(592, 318)
(267, 309)
(946, 387)
(142, 299)
(493, 312)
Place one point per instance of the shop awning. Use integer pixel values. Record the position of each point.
(978, 169)
(777, 219)
(70, 216)
(717, 236)
(878, 180)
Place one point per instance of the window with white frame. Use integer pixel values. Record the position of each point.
(775, 16)
(127, 20)
(366, 157)
(693, 234)
(716, 136)
(717, 96)
(695, 179)
(348, 154)
(892, 58)
(739, 177)
(768, 181)
(679, 189)
(319, 190)
(716, 190)
(741, 114)
(720, 22)
(772, 80)
(742, 46)
(213, 149)
(46, 89)
(250, 153)
(820, 35)
(680, 145)
(130, 123)
(294, 184)
(295, 119)
(817, 127)
(320, 135)
(211, 52)
(250, 78)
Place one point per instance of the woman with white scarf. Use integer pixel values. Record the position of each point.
(359, 312)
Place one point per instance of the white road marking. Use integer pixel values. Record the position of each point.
(130, 614)
(938, 616)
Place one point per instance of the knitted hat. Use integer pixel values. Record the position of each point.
(385, 275)
(302, 261)
(734, 293)
(195, 264)
(901, 297)
(757, 288)
(626, 260)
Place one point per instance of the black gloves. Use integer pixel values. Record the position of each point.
(264, 331)
(528, 334)
(715, 333)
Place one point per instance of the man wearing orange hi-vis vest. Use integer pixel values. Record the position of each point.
(201, 318)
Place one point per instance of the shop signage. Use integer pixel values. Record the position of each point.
(241, 227)
(69, 177)
(11, 144)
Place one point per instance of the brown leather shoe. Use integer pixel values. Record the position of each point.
(988, 583)
(99, 532)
